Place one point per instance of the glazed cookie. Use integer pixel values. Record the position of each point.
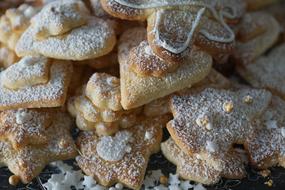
(123, 157)
(59, 17)
(92, 40)
(267, 71)
(257, 32)
(34, 93)
(173, 25)
(14, 23)
(104, 91)
(25, 127)
(193, 167)
(212, 120)
(27, 162)
(139, 90)
(266, 147)
(29, 71)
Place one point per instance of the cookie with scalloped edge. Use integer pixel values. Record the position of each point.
(122, 157)
(139, 90)
(59, 17)
(212, 120)
(266, 147)
(193, 167)
(50, 94)
(257, 32)
(27, 162)
(95, 39)
(267, 71)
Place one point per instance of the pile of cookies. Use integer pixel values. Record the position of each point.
(121, 70)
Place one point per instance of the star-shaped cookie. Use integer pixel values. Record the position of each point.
(25, 127)
(123, 157)
(212, 120)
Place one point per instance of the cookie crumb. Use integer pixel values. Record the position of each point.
(163, 180)
(228, 106)
(14, 180)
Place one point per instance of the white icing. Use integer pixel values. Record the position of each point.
(170, 48)
(114, 148)
(211, 146)
(23, 116)
(149, 4)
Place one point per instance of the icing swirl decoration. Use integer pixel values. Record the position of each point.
(218, 9)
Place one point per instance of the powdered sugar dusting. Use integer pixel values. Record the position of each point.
(114, 148)
(229, 127)
(27, 72)
(131, 167)
(93, 40)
